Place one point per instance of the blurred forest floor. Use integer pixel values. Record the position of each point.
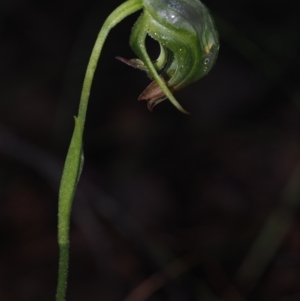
(170, 207)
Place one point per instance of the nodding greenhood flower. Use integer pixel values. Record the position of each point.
(189, 46)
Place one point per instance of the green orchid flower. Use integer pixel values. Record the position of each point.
(189, 46)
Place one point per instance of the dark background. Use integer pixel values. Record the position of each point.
(169, 207)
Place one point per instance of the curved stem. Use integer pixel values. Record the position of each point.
(74, 159)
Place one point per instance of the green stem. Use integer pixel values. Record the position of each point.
(74, 159)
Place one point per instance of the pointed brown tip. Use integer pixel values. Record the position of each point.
(127, 62)
(149, 106)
